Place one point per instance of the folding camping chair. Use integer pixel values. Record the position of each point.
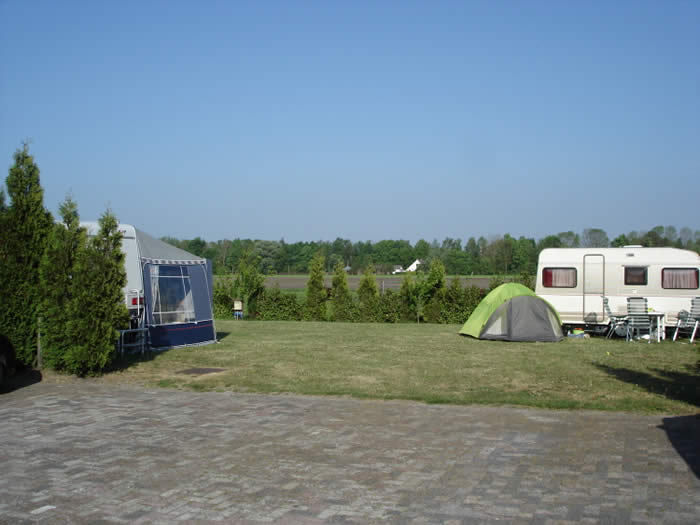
(689, 320)
(637, 317)
(615, 320)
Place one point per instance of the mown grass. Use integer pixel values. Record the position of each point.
(433, 364)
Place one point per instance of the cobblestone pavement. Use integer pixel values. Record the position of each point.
(85, 452)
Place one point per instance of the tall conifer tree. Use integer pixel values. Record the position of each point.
(315, 290)
(24, 228)
(368, 295)
(250, 283)
(97, 310)
(57, 275)
(341, 300)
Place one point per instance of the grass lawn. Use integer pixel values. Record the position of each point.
(430, 363)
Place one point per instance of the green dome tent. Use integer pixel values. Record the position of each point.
(512, 312)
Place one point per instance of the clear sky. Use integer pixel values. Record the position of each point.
(367, 120)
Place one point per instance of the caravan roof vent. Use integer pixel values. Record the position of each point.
(633, 246)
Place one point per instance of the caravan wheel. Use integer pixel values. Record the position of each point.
(621, 330)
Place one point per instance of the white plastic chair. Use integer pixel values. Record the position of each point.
(637, 317)
(689, 320)
(615, 320)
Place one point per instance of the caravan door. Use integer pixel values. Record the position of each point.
(593, 288)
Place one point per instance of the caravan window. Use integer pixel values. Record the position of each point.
(559, 277)
(172, 295)
(679, 278)
(635, 275)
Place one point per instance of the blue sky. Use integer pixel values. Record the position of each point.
(362, 120)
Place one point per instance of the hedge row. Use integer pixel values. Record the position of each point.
(452, 304)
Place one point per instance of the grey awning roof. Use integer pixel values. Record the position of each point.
(156, 251)
(150, 249)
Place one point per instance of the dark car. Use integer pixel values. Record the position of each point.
(7, 359)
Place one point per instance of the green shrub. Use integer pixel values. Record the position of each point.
(433, 311)
(225, 293)
(496, 281)
(274, 305)
(390, 307)
(453, 304)
(409, 298)
(368, 297)
(249, 283)
(434, 281)
(315, 306)
(97, 311)
(57, 275)
(461, 302)
(526, 279)
(24, 229)
(342, 305)
(472, 297)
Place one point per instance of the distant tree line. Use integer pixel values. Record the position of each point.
(497, 255)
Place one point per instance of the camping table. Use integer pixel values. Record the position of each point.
(660, 319)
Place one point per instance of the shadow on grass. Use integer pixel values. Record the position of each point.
(129, 359)
(684, 434)
(22, 378)
(683, 431)
(679, 386)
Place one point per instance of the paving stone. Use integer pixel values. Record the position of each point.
(84, 452)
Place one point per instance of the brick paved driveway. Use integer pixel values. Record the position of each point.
(85, 452)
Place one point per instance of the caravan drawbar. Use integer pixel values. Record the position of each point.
(575, 281)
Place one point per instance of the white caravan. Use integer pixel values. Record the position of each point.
(168, 291)
(133, 291)
(575, 280)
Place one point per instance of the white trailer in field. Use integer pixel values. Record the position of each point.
(575, 281)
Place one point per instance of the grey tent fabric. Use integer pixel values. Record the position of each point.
(523, 318)
(202, 278)
(178, 303)
(156, 251)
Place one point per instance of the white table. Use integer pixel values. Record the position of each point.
(660, 319)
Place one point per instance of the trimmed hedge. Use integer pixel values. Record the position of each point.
(225, 293)
(422, 298)
(453, 304)
(274, 305)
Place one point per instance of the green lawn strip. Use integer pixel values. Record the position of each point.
(433, 364)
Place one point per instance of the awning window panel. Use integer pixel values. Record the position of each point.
(172, 295)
